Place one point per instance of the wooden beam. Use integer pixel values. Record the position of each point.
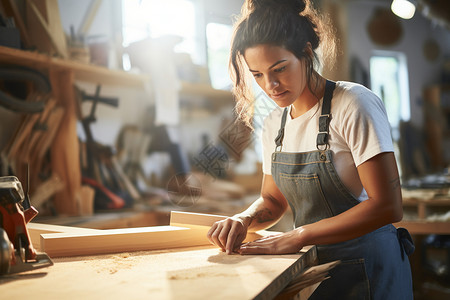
(203, 222)
(121, 240)
(88, 18)
(36, 229)
(46, 13)
(193, 220)
(425, 227)
(193, 233)
(65, 155)
(83, 72)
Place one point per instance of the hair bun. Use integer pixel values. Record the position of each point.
(298, 5)
(294, 5)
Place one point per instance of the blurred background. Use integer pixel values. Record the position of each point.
(113, 113)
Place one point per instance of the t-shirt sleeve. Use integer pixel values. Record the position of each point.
(366, 127)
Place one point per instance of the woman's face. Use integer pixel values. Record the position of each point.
(278, 72)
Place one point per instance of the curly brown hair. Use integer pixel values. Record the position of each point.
(290, 24)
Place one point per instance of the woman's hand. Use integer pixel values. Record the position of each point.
(263, 213)
(284, 243)
(229, 233)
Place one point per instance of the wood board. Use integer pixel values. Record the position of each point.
(83, 72)
(203, 222)
(65, 147)
(189, 273)
(120, 240)
(190, 231)
(194, 220)
(36, 229)
(45, 28)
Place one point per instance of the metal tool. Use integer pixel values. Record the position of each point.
(17, 253)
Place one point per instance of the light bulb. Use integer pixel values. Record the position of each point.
(403, 8)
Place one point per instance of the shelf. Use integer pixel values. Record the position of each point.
(82, 72)
(101, 75)
(64, 146)
(206, 91)
(423, 205)
(425, 227)
(64, 149)
(422, 225)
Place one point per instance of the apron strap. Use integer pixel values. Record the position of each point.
(325, 117)
(280, 136)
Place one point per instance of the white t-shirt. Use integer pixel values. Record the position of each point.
(359, 130)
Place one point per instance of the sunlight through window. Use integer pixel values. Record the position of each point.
(154, 18)
(218, 37)
(389, 80)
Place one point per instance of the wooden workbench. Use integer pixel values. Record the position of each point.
(158, 262)
(184, 273)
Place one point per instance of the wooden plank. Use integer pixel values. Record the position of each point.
(113, 220)
(188, 219)
(83, 72)
(36, 229)
(203, 222)
(421, 210)
(205, 90)
(121, 240)
(36, 134)
(425, 227)
(88, 18)
(194, 273)
(53, 124)
(87, 198)
(42, 228)
(44, 23)
(55, 26)
(136, 239)
(45, 190)
(65, 156)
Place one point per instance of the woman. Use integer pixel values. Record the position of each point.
(329, 156)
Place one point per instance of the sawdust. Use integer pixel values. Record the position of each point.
(115, 263)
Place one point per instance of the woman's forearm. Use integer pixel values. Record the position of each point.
(380, 179)
(262, 214)
(357, 221)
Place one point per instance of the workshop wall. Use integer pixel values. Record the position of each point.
(200, 123)
(415, 32)
(106, 28)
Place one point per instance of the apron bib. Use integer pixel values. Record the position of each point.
(373, 266)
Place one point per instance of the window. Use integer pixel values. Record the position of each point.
(154, 18)
(218, 37)
(389, 80)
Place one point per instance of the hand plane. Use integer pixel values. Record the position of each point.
(17, 253)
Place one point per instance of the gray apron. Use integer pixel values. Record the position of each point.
(373, 266)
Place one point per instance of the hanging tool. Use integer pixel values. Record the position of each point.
(27, 76)
(100, 172)
(94, 149)
(17, 253)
